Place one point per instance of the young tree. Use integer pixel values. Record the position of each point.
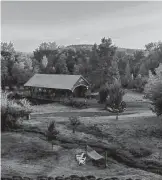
(115, 101)
(52, 132)
(74, 121)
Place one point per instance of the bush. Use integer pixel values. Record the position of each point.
(74, 103)
(140, 152)
(15, 95)
(12, 111)
(96, 130)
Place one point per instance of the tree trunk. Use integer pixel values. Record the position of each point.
(73, 130)
(28, 117)
(105, 159)
(117, 116)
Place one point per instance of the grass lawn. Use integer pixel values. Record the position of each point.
(133, 144)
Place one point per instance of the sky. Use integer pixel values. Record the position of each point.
(129, 24)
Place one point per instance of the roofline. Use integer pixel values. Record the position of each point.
(46, 87)
(80, 76)
(84, 79)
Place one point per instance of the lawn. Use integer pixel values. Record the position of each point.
(133, 143)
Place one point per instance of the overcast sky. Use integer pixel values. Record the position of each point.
(129, 24)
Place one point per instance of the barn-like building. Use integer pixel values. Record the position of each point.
(51, 86)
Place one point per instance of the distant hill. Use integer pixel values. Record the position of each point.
(89, 46)
(128, 51)
(79, 46)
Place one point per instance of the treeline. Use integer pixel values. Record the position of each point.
(100, 64)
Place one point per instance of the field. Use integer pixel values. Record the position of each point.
(133, 142)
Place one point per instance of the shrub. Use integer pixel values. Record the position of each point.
(74, 121)
(52, 131)
(90, 177)
(96, 130)
(15, 95)
(75, 177)
(12, 111)
(140, 152)
(74, 103)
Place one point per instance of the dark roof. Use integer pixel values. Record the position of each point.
(54, 81)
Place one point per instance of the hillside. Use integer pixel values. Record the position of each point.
(89, 46)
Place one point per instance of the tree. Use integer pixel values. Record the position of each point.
(127, 77)
(52, 132)
(108, 67)
(95, 77)
(124, 66)
(74, 121)
(7, 49)
(20, 75)
(138, 57)
(77, 69)
(139, 83)
(115, 101)
(8, 60)
(22, 69)
(61, 67)
(71, 58)
(153, 90)
(94, 59)
(103, 93)
(4, 72)
(153, 55)
(44, 61)
(49, 50)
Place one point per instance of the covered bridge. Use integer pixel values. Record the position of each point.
(56, 85)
